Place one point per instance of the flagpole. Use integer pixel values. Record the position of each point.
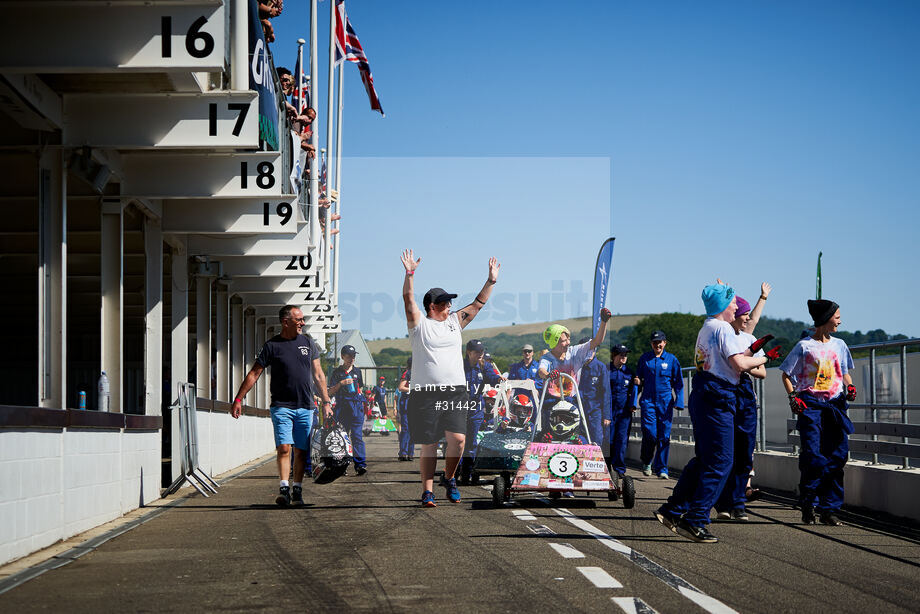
(338, 177)
(314, 139)
(330, 153)
(818, 277)
(298, 94)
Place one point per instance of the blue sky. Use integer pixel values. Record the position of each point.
(712, 139)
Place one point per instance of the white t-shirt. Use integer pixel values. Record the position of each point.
(715, 342)
(571, 363)
(747, 339)
(437, 354)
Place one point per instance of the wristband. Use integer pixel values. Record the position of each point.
(481, 302)
(238, 399)
(410, 272)
(327, 402)
(762, 297)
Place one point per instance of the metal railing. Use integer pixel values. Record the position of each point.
(874, 428)
(186, 405)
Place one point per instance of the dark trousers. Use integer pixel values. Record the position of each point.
(351, 416)
(619, 437)
(745, 434)
(656, 436)
(406, 447)
(824, 429)
(712, 409)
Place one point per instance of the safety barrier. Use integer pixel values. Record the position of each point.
(880, 414)
(188, 433)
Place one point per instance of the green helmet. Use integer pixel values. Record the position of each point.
(552, 334)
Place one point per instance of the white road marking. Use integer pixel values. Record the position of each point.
(540, 529)
(633, 605)
(599, 577)
(523, 515)
(710, 604)
(567, 551)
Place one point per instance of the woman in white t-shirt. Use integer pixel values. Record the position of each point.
(439, 401)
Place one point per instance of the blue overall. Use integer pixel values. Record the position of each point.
(712, 409)
(349, 410)
(824, 429)
(519, 371)
(594, 388)
(406, 447)
(380, 398)
(659, 375)
(476, 379)
(732, 497)
(623, 399)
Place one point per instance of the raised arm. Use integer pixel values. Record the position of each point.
(601, 330)
(413, 315)
(749, 326)
(469, 312)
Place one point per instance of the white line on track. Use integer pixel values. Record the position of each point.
(567, 551)
(633, 605)
(523, 515)
(710, 604)
(599, 577)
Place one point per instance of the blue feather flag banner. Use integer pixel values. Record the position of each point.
(602, 272)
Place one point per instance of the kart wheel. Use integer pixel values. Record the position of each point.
(554, 495)
(629, 493)
(507, 494)
(499, 490)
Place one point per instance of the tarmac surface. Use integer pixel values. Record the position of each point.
(364, 544)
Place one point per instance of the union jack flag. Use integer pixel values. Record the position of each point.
(348, 47)
(302, 93)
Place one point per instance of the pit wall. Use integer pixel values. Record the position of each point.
(63, 472)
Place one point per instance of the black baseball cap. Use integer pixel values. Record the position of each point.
(487, 356)
(618, 349)
(437, 295)
(658, 335)
(475, 345)
(349, 349)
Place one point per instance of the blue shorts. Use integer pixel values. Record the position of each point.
(292, 426)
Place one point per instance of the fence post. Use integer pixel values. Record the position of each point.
(872, 399)
(905, 461)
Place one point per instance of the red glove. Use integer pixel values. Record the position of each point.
(755, 347)
(554, 374)
(851, 392)
(605, 314)
(774, 354)
(796, 404)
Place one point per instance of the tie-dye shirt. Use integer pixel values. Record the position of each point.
(818, 368)
(715, 343)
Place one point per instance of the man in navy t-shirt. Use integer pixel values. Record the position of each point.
(296, 375)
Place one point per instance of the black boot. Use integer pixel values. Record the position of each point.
(808, 514)
(830, 519)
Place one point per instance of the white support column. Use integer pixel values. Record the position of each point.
(153, 320)
(179, 344)
(203, 331)
(237, 336)
(52, 281)
(258, 335)
(222, 341)
(112, 326)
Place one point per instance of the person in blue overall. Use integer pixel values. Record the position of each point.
(721, 357)
(659, 373)
(478, 374)
(380, 395)
(594, 389)
(731, 503)
(527, 368)
(623, 388)
(816, 375)
(406, 447)
(345, 383)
